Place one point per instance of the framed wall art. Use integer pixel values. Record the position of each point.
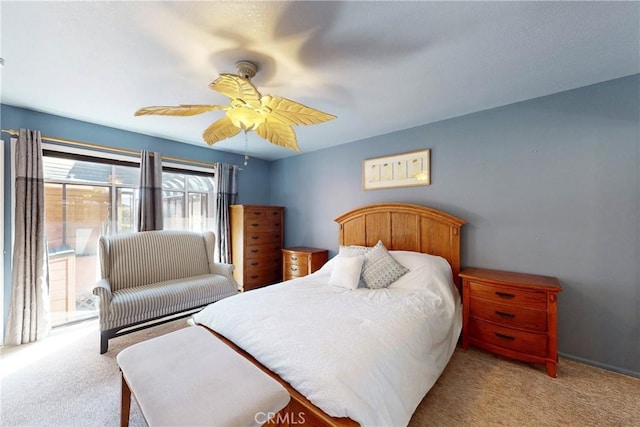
(398, 170)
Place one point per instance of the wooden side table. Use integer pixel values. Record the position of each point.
(298, 261)
(511, 314)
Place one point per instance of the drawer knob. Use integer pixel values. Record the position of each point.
(505, 315)
(255, 276)
(294, 258)
(505, 295)
(505, 337)
(255, 224)
(254, 251)
(254, 237)
(294, 269)
(254, 263)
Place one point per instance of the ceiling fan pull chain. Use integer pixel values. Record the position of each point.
(246, 148)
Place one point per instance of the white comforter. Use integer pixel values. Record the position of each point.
(370, 355)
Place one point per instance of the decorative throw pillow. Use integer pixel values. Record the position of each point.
(380, 269)
(346, 271)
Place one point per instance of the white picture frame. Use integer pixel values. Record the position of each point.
(398, 170)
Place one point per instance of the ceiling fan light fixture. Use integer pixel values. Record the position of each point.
(246, 69)
(271, 117)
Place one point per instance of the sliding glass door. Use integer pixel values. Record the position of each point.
(83, 200)
(86, 199)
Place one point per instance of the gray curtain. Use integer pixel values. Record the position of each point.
(29, 307)
(150, 201)
(226, 182)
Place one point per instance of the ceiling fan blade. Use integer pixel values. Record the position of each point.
(237, 89)
(220, 130)
(180, 110)
(294, 113)
(279, 134)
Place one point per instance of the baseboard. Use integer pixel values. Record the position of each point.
(600, 365)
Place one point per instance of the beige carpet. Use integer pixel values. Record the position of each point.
(64, 381)
(479, 389)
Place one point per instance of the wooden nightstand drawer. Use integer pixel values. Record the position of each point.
(508, 295)
(296, 258)
(524, 342)
(508, 315)
(295, 270)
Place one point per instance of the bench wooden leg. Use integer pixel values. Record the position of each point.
(125, 403)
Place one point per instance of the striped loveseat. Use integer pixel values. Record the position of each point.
(150, 275)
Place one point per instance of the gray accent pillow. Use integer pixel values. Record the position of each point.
(380, 269)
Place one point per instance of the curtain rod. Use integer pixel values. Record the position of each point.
(14, 132)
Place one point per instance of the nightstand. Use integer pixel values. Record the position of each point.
(299, 261)
(511, 314)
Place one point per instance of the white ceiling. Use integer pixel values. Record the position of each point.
(378, 66)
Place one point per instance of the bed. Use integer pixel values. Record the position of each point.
(356, 356)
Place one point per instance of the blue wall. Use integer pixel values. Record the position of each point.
(253, 180)
(549, 186)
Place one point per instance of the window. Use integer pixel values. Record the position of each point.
(187, 201)
(88, 197)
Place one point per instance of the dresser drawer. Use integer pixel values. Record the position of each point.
(263, 262)
(525, 342)
(509, 315)
(260, 277)
(259, 247)
(261, 237)
(508, 295)
(263, 219)
(259, 251)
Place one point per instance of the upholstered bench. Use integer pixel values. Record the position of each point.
(189, 377)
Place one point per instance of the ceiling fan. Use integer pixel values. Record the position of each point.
(271, 117)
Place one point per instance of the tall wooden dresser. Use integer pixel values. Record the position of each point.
(256, 244)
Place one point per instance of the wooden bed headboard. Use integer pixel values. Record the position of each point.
(404, 227)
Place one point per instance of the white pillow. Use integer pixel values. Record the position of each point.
(354, 250)
(424, 270)
(346, 271)
(411, 259)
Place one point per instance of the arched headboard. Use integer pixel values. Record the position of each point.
(404, 227)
